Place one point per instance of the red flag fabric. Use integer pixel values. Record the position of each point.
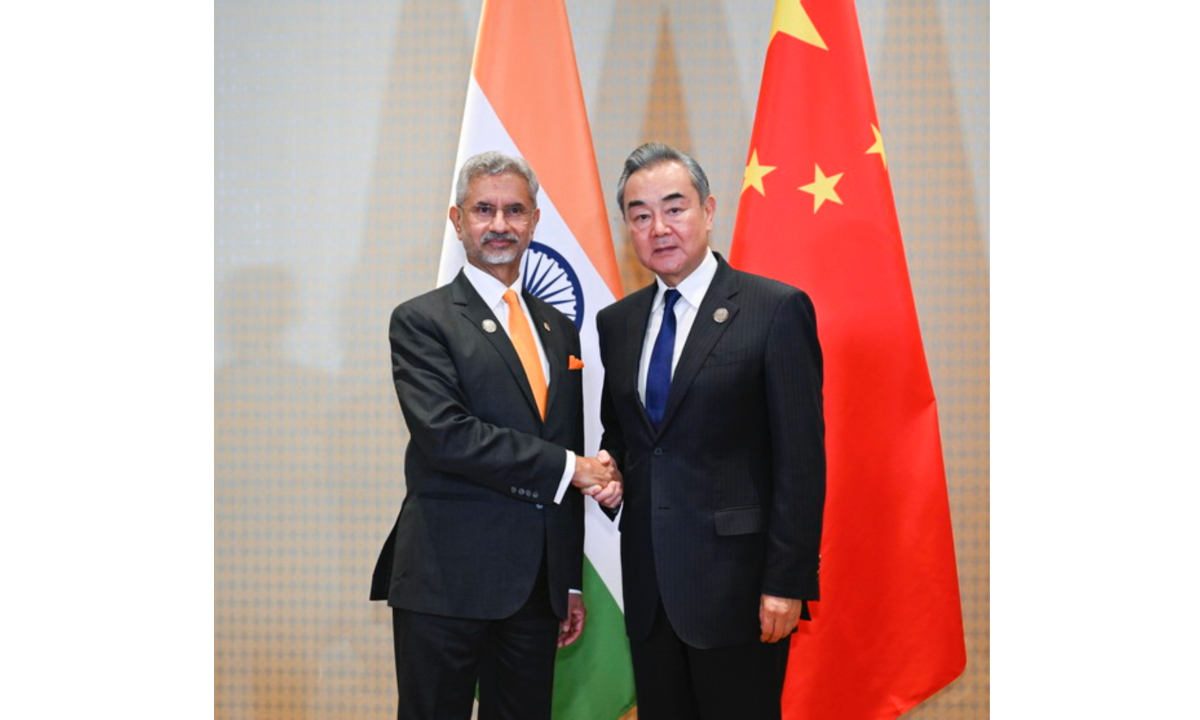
(816, 211)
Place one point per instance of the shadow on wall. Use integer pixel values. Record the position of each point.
(401, 242)
(271, 507)
(296, 524)
(308, 465)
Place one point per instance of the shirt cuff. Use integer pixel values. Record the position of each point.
(568, 473)
(573, 591)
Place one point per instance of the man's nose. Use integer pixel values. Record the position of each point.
(659, 227)
(499, 223)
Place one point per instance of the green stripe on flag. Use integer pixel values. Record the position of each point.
(593, 678)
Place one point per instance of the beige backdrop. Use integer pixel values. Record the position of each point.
(336, 130)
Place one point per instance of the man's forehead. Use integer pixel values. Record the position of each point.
(659, 183)
(502, 188)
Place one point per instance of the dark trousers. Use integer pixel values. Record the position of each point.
(678, 682)
(439, 660)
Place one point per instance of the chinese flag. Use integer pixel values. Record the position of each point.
(816, 211)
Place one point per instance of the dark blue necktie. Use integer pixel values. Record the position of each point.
(658, 376)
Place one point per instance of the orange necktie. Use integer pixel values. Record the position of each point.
(522, 340)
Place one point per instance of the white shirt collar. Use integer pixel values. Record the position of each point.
(489, 288)
(693, 287)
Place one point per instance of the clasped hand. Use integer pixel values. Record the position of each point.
(599, 479)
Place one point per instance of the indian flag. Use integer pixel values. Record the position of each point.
(524, 99)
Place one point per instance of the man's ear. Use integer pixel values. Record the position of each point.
(456, 218)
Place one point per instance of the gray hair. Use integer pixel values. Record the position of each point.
(652, 154)
(493, 163)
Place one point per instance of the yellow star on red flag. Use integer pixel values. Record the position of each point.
(792, 19)
(815, 104)
(754, 174)
(877, 148)
(821, 188)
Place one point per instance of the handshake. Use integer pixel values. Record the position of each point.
(599, 479)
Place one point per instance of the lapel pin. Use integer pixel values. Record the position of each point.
(721, 315)
(489, 326)
(546, 325)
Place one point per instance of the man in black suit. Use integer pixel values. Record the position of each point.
(712, 410)
(484, 564)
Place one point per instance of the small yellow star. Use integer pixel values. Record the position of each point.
(753, 177)
(792, 19)
(821, 188)
(877, 148)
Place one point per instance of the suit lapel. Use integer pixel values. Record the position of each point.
(705, 333)
(476, 312)
(554, 344)
(633, 338)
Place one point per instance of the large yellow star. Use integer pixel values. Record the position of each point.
(753, 177)
(792, 19)
(821, 188)
(877, 148)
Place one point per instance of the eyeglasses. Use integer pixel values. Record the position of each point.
(513, 214)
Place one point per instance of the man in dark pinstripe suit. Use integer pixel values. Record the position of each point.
(483, 562)
(712, 409)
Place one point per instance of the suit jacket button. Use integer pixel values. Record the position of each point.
(535, 493)
(514, 489)
(658, 451)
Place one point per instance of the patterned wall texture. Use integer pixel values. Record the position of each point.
(336, 130)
